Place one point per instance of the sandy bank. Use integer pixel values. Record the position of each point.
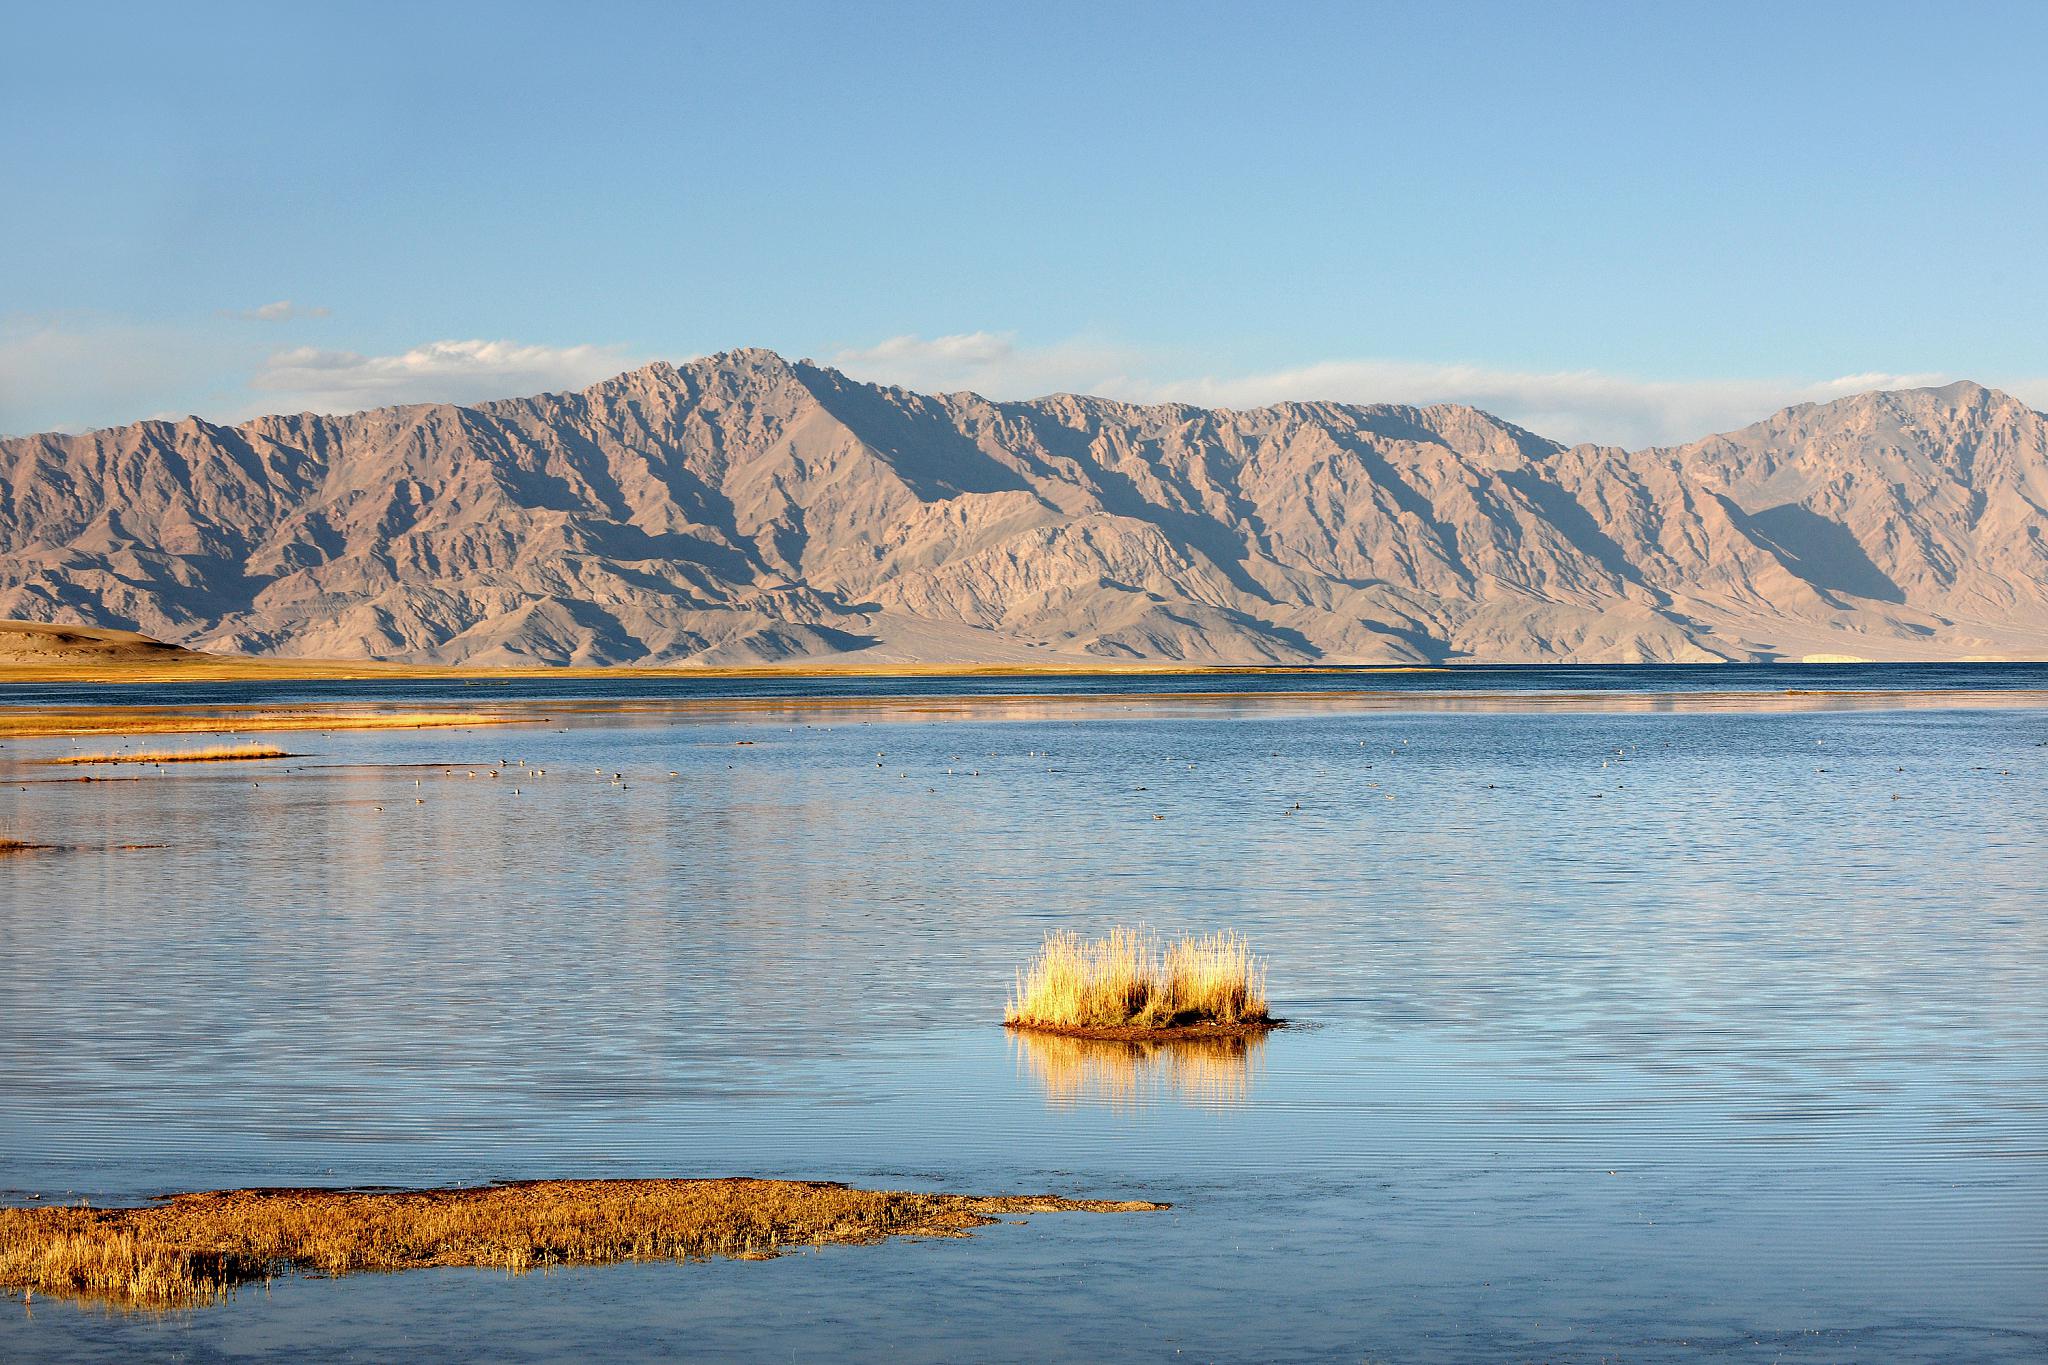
(1137, 1033)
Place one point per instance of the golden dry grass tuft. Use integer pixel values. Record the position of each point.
(215, 753)
(195, 1248)
(1132, 980)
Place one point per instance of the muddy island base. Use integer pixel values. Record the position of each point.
(1141, 1033)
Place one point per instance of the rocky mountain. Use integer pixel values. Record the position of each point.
(747, 508)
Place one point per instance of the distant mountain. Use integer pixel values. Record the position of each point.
(748, 508)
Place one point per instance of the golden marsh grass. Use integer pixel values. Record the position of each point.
(126, 720)
(1133, 981)
(213, 753)
(196, 1248)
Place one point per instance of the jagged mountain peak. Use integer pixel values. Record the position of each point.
(742, 504)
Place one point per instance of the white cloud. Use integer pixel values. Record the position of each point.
(994, 365)
(2032, 392)
(283, 310)
(73, 372)
(1566, 405)
(313, 380)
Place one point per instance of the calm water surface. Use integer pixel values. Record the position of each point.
(1637, 1035)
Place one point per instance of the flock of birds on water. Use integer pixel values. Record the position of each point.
(524, 774)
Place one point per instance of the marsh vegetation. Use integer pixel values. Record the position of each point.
(1134, 984)
(213, 753)
(55, 721)
(195, 1249)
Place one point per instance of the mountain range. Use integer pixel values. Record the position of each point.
(746, 508)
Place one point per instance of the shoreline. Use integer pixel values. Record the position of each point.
(194, 667)
(39, 720)
(201, 668)
(194, 1250)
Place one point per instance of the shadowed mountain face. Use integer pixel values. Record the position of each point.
(745, 508)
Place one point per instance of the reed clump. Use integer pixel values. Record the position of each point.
(215, 753)
(1133, 983)
(195, 1249)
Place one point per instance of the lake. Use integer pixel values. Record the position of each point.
(1646, 1013)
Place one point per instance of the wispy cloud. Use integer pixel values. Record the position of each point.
(1567, 405)
(994, 365)
(283, 310)
(2032, 392)
(71, 372)
(309, 379)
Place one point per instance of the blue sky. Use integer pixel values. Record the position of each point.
(1626, 222)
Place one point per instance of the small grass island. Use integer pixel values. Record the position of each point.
(216, 753)
(1131, 986)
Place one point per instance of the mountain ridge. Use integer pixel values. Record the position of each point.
(746, 508)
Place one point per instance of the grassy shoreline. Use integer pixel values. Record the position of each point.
(195, 1249)
(69, 721)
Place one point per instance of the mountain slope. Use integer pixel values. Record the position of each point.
(744, 507)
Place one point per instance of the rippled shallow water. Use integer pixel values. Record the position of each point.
(1635, 1035)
